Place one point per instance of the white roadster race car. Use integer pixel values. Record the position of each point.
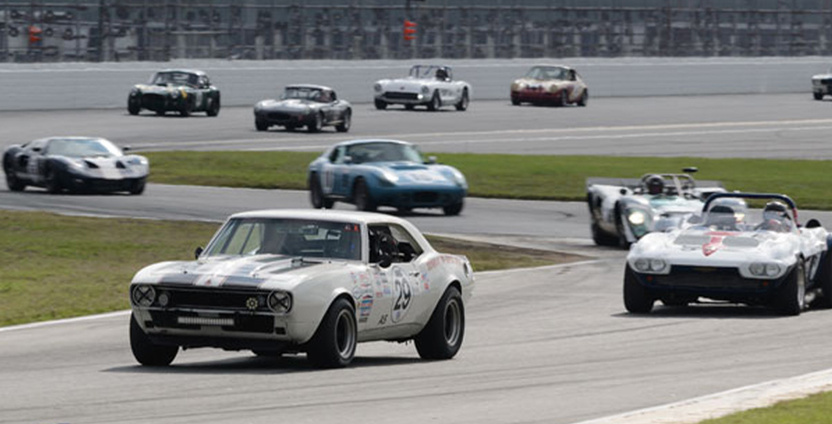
(287, 281)
(428, 85)
(720, 255)
(622, 210)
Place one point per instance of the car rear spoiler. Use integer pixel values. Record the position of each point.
(760, 196)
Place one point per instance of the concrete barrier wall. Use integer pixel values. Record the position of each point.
(106, 85)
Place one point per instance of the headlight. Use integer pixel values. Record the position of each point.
(650, 265)
(459, 179)
(636, 218)
(389, 177)
(377, 87)
(280, 302)
(143, 295)
(760, 269)
(425, 89)
(137, 161)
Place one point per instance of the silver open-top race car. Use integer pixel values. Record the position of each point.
(622, 210)
(723, 254)
(426, 85)
(286, 281)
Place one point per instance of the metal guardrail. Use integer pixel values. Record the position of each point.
(161, 30)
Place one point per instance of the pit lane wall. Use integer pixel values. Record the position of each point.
(243, 83)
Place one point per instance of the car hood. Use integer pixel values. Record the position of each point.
(404, 85)
(160, 89)
(108, 167)
(417, 173)
(288, 105)
(251, 272)
(521, 83)
(690, 246)
(821, 76)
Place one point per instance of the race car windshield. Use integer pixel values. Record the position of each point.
(547, 73)
(81, 147)
(288, 237)
(175, 78)
(303, 93)
(384, 152)
(424, 72)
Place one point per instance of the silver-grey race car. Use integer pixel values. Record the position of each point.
(312, 106)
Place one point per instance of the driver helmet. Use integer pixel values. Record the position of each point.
(655, 184)
(441, 74)
(776, 211)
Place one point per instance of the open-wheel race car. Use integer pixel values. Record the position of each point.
(289, 281)
(722, 254)
(175, 90)
(622, 210)
(79, 164)
(432, 86)
(313, 106)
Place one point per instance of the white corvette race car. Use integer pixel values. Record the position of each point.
(429, 85)
(622, 210)
(309, 281)
(719, 255)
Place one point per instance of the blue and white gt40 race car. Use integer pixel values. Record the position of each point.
(373, 173)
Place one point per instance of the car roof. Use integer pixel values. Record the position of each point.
(354, 217)
(313, 86)
(187, 71)
(372, 140)
(73, 137)
(550, 65)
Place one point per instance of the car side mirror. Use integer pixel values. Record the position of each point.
(431, 160)
(36, 149)
(198, 251)
(126, 149)
(623, 191)
(348, 159)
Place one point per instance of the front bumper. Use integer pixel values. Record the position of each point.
(284, 118)
(160, 102)
(82, 183)
(404, 98)
(712, 282)
(418, 196)
(539, 96)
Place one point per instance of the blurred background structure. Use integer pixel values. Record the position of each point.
(162, 30)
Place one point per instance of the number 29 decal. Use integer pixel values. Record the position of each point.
(402, 297)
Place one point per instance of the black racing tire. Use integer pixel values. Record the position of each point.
(790, 298)
(346, 122)
(52, 182)
(138, 187)
(333, 345)
(316, 194)
(454, 208)
(462, 105)
(582, 102)
(515, 102)
(637, 298)
(133, 106)
(825, 281)
(291, 128)
(600, 237)
(380, 104)
(619, 227)
(213, 108)
(260, 125)
(160, 113)
(442, 336)
(409, 107)
(186, 109)
(361, 197)
(14, 183)
(145, 351)
(818, 96)
(316, 124)
(435, 102)
(562, 100)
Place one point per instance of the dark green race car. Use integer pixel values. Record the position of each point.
(176, 90)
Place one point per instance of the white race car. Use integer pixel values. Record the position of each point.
(622, 210)
(822, 85)
(286, 281)
(429, 85)
(719, 255)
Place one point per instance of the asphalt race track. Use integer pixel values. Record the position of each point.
(550, 345)
(773, 126)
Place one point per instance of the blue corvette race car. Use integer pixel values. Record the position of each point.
(373, 173)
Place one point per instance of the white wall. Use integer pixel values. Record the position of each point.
(85, 85)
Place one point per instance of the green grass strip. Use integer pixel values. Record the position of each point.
(510, 176)
(56, 266)
(815, 409)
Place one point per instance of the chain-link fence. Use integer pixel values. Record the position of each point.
(160, 30)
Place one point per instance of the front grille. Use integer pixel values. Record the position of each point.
(425, 197)
(213, 298)
(153, 101)
(107, 185)
(826, 81)
(279, 116)
(708, 278)
(241, 322)
(399, 95)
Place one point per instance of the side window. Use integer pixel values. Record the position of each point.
(245, 240)
(37, 147)
(394, 239)
(409, 249)
(332, 96)
(337, 155)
